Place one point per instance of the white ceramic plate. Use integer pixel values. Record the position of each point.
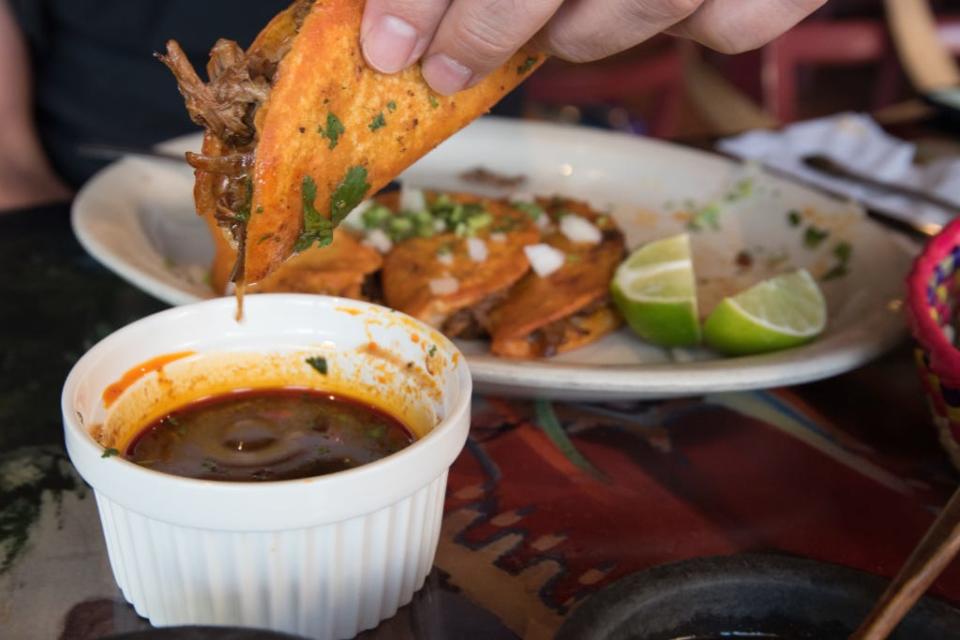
(137, 218)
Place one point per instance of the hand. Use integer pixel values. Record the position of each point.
(461, 41)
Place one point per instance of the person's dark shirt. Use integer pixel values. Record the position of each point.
(95, 77)
(97, 82)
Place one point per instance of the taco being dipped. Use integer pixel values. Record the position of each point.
(299, 129)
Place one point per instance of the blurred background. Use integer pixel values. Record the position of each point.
(851, 55)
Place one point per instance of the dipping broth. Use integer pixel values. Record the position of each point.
(273, 434)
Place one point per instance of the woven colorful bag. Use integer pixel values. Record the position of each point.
(933, 303)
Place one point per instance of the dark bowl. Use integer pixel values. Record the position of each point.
(747, 596)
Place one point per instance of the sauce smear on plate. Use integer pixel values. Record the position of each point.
(268, 434)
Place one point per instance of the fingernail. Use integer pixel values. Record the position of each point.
(445, 75)
(388, 46)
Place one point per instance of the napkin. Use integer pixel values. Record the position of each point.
(855, 141)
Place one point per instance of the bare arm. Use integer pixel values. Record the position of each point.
(26, 177)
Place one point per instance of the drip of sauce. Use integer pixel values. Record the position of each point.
(241, 289)
(111, 393)
(268, 434)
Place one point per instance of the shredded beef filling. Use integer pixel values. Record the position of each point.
(239, 82)
(473, 322)
(549, 338)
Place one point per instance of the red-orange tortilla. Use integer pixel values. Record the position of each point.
(387, 122)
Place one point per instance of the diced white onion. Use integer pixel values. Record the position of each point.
(477, 249)
(379, 240)
(439, 225)
(412, 199)
(544, 259)
(579, 229)
(354, 219)
(523, 196)
(543, 222)
(444, 286)
(498, 236)
(445, 258)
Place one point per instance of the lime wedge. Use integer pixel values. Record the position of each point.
(655, 291)
(778, 313)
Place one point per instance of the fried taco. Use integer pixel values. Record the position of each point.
(299, 129)
(565, 306)
(450, 261)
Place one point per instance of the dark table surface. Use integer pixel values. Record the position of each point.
(846, 471)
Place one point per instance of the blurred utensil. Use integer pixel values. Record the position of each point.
(928, 560)
(117, 152)
(922, 230)
(826, 165)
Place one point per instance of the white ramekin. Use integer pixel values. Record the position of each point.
(323, 557)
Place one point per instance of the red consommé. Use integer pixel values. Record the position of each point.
(268, 434)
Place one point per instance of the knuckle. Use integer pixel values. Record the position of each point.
(669, 10)
(422, 15)
(483, 43)
(575, 50)
(731, 43)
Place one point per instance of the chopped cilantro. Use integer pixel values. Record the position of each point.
(433, 350)
(741, 189)
(333, 130)
(479, 221)
(377, 122)
(348, 194)
(392, 105)
(211, 466)
(316, 228)
(319, 363)
(323, 451)
(377, 432)
(109, 452)
(706, 217)
(243, 211)
(260, 209)
(376, 216)
(532, 209)
(794, 218)
(838, 271)
(264, 238)
(527, 65)
(573, 258)
(433, 101)
(843, 251)
(814, 237)
(445, 249)
(506, 224)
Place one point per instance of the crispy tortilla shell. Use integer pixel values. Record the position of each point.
(582, 283)
(412, 264)
(388, 122)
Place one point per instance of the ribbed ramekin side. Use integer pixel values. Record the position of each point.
(327, 582)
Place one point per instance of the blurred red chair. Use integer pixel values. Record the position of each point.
(823, 42)
(618, 81)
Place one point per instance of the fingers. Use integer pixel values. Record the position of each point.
(395, 33)
(477, 36)
(735, 26)
(586, 30)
